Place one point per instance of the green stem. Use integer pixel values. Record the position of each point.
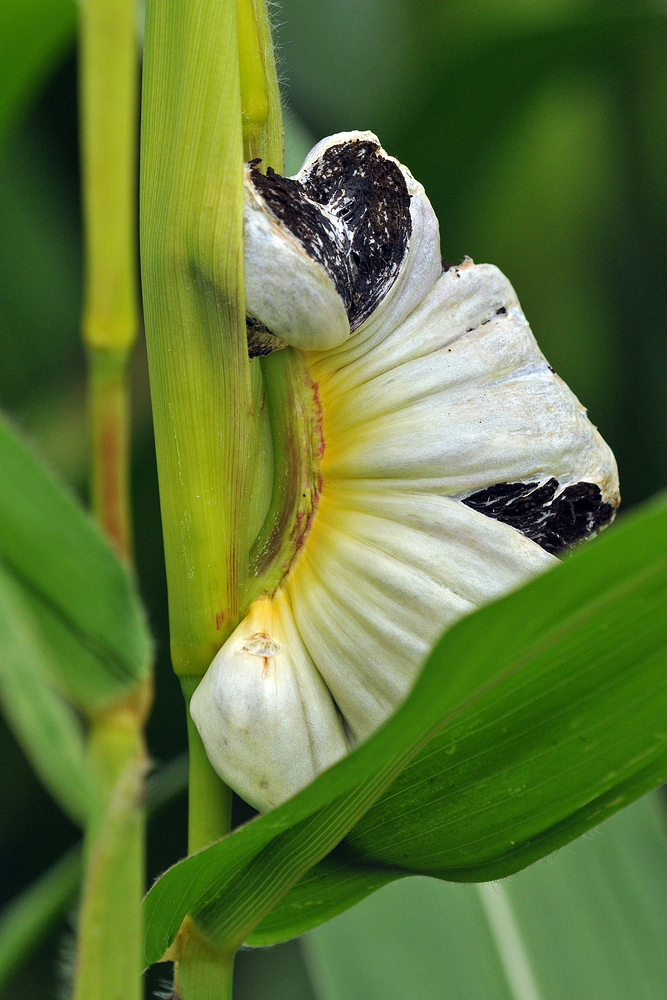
(109, 943)
(273, 136)
(109, 406)
(201, 973)
(109, 67)
(209, 799)
(206, 100)
(254, 95)
(192, 268)
(29, 917)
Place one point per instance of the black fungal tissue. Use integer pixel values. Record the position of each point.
(351, 213)
(534, 510)
(260, 340)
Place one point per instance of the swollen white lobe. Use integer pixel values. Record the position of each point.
(264, 714)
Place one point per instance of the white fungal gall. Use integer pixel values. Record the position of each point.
(265, 716)
(454, 465)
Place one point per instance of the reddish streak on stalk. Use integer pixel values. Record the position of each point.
(109, 408)
(318, 432)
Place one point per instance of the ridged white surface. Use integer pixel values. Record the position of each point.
(270, 718)
(443, 391)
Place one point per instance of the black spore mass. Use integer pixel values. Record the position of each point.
(260, 340)
(351, 213)
(554, 522)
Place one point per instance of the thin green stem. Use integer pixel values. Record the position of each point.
(109, 65)
(30, 916)
(210, 800)
(109, 405)
(109, 944)
(273, 135)
(254, 95)
(201, 973)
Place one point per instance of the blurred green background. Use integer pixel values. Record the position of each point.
(539, 129)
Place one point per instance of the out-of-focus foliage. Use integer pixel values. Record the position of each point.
(579, 924)
(539, 128)
(33, 36)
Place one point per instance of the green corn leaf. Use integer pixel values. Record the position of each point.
(82, 599)
(44, 725)
(588, 922)
(33, 35)
(536, 718)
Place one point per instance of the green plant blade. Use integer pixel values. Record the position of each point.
(327, 889)
(81, 597)
(588, 922)
(44, 725)
(524, 689)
